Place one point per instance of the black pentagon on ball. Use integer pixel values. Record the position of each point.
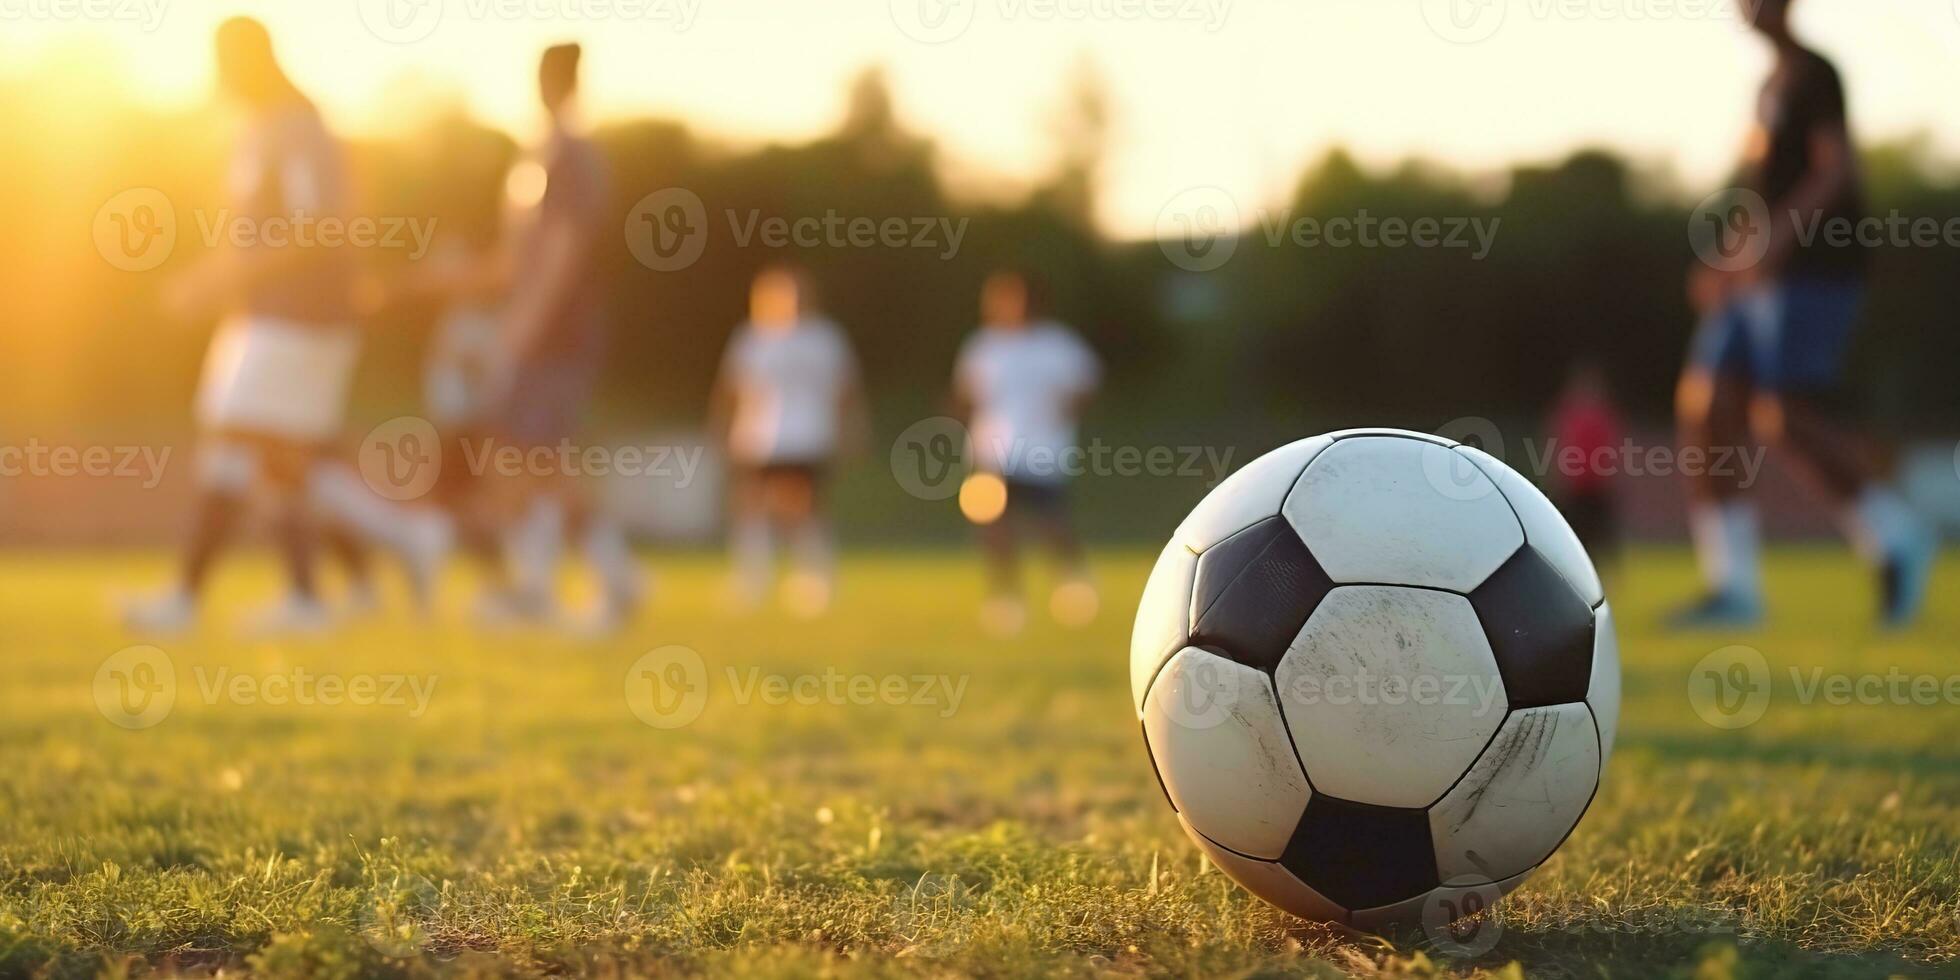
(1362, 856)
(1253, 593)
(1540, 629)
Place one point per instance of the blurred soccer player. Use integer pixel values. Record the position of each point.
(276, 375)
(787, 401)
(547, 359)
(1587, 426)
(1020, 384)
(1770, 347)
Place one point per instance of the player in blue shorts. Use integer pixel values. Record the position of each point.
(1769, 353)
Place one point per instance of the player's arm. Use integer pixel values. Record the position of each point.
(560, 251)
(1833, 172)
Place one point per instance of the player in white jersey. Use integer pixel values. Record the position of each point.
(788, 401)
(1020, 385)
(275, 379)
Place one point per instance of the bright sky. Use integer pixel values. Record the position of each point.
(1239, 94)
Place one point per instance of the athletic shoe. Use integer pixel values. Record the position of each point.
(505, 608)
(295, 615)
(807, 595)
(1074, 603)
(1717, 611)
(1003, 616)
(425, 542)
(363, 601)
(170, 612)
(1904, 579)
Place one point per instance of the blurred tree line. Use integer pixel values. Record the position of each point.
(1587, 263)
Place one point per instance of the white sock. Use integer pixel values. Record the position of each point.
(1879, 524)
(1728, 547)
(336, 491)
(815, 556)
(606, 551)
(752, 552)
(534, 545)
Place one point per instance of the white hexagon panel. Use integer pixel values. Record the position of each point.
(1215, 734)
(1402, 511)
(1390, 693)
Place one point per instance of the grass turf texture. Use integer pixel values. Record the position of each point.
(528, 823)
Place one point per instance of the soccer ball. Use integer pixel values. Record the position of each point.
(1377, 677)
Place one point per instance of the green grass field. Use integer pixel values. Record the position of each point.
(526, 821)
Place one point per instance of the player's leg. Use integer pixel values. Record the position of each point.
(602, 545)
(1814, 321)
(287, 467)
(1003, 612)
(751, 539)
(1712, 413)
(794, 494)
(1074, 601)
(226, 473)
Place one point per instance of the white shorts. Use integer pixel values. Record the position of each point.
(273, 377)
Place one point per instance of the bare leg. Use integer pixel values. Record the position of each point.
(211, 530)
(1712, 414)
